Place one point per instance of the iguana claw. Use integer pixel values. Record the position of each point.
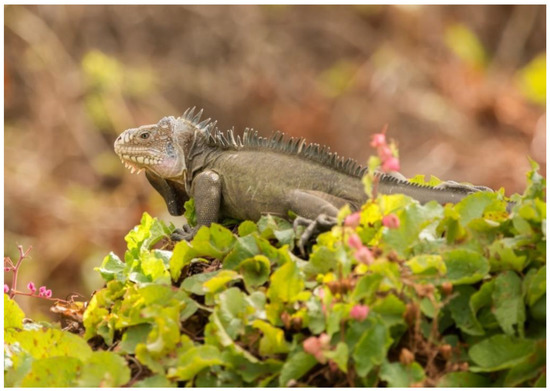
(320, 224)
(186, 233)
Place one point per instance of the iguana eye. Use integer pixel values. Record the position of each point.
(144, 135)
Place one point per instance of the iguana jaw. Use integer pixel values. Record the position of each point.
(151, 147)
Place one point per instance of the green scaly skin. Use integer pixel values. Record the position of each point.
(244, 178)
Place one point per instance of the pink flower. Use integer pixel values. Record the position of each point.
(364, 255)
(391, 221)
(324, 340)
(385, 153)
(352, 220)
(48, 293)
(7, 269)
(321, 293)
(31, 287)
(6, 288)
(42, 291)
(359, 312)
(391, 164)
(378, 140)
(312, 345)
(354, 241)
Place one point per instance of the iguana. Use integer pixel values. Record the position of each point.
(244, 178)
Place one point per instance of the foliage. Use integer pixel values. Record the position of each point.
(453, 295)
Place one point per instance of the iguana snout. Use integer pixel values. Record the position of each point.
(152, 147)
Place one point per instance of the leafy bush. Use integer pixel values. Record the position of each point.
(400, 294)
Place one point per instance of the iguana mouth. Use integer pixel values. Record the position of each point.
(132, 167)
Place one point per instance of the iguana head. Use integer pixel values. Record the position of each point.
(157, 148)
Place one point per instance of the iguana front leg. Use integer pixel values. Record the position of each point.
(207, 192)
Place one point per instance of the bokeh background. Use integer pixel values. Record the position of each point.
(462, 89)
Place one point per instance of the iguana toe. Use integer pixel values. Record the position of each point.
(186, 233)
(322, 223)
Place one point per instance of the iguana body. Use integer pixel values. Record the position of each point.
(246, 178)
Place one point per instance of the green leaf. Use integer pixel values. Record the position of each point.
(421, 180)
(53, 372)
(247, 227)
(214, 241)
(285, 283)
(500, 352)
(463, 379)
(366, 287)
(273, 340)
(529, 368)
(251, 371)
(182, 255)
(255, 271)
(146, 235)
(334, 317)
(371, 349)
(322, 260)
(399, 375)
(273, 227)
(483, 297)
(414, 218)
(190, 213)
(391, 309)
(232, 311)
(132, 336)
(537, 286)
(243, 248)
(104, 369)
(219, 281)
(193, 361)
(462, 313)
(426, 264)
(508, 301)
(112, 268)
(340, 356)
(503, 256)
(52, 342)
(475, 204)
(156, 381)
(465, 266)
(296, 366)
(194, 283)
(13, 314)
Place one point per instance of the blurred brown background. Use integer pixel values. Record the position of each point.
(462, 89)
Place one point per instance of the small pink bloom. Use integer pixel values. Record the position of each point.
(324, 340)
(7, 269)
(391, 221)
(378, 139)
(364, 255)
(359, 312)
(391, 164)
(312, 345)
(354, 241)
(321, 293)
(48, 293)
(31, 287)
(42, 290)
(385, 153)
(352, 220)
(6, 288)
